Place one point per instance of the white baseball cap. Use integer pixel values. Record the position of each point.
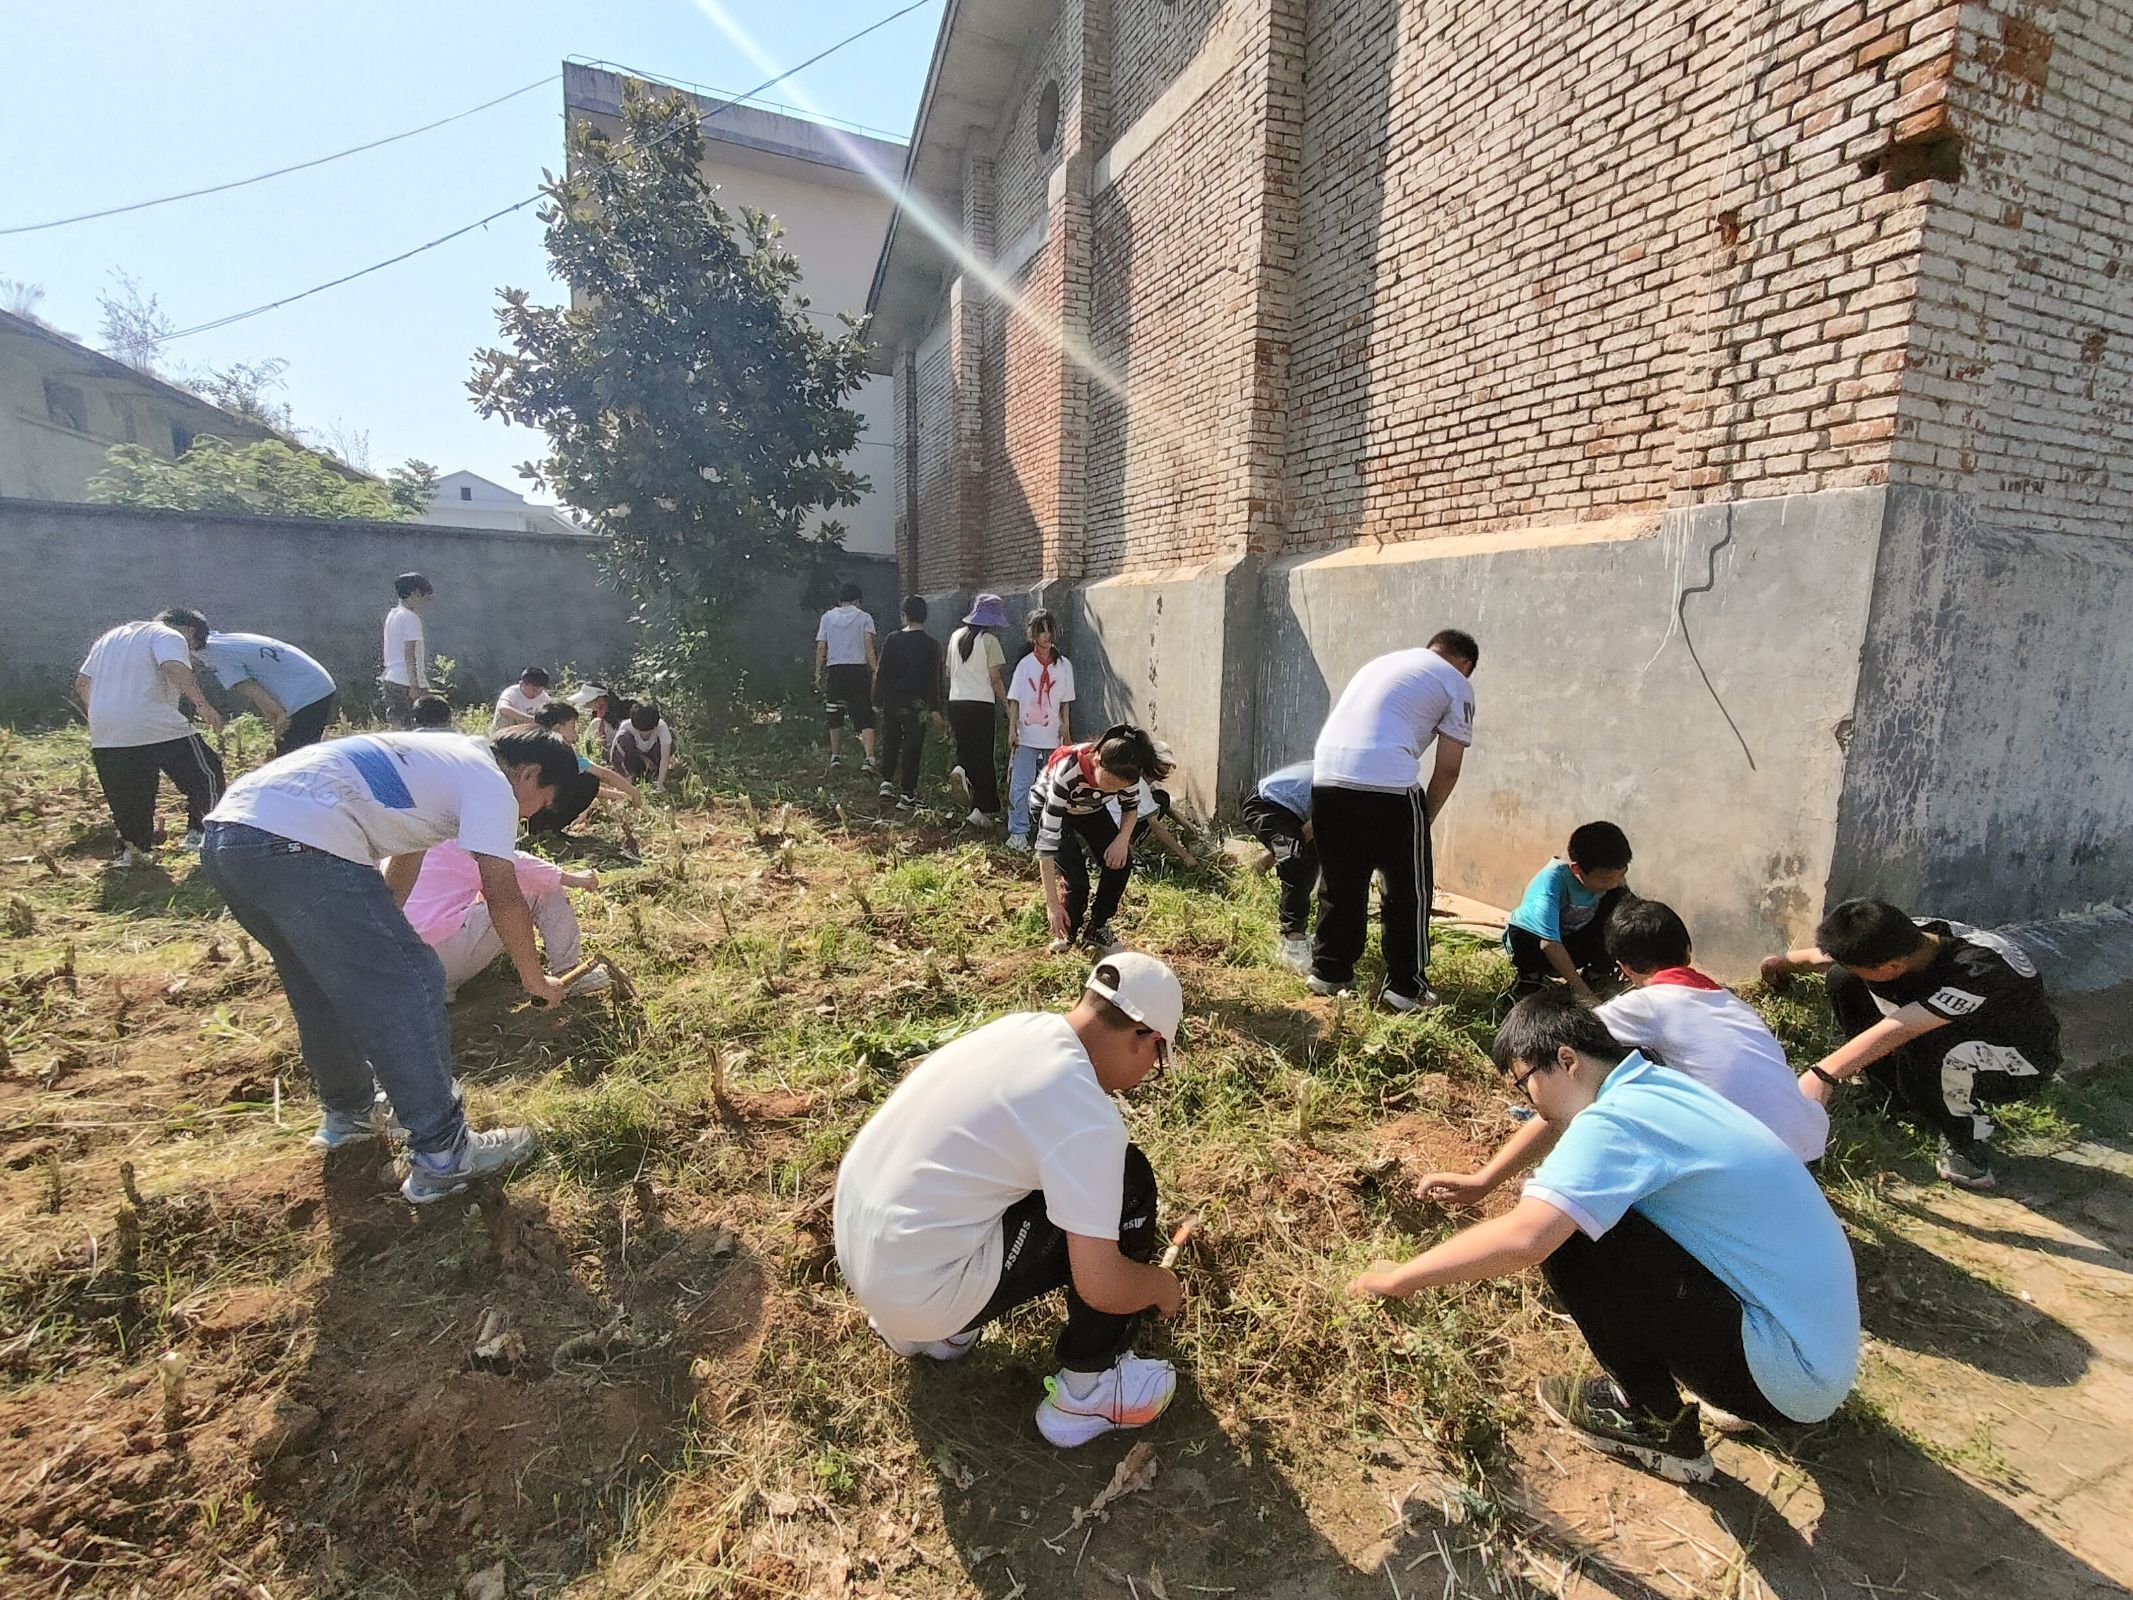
(1145, 990)
(583, 698)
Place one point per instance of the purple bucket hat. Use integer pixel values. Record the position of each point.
(987, 612)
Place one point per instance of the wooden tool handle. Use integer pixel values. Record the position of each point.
(1179, 1240)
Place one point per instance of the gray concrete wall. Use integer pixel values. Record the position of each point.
(1991, 770)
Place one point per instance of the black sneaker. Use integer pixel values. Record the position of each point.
(1101, 940)
(1595, 1410)
(1969, 1168)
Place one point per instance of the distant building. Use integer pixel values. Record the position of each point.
(467, 500)
(63, 406)
(814, 180)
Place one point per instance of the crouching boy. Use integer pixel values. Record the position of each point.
(1660, 1193)
(998, 1171)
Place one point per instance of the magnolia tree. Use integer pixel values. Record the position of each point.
(693, 406)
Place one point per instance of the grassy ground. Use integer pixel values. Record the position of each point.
(227, 1366)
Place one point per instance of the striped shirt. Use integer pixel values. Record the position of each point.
(1067, 788)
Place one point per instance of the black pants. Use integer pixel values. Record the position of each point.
(976, 725)
(1943, 1079)
(903, 742)
(573, 798)
(1295, 860)
(1094, 833)
(1586, 946)
(129, 773)
(1358, 832)
(1035, 1263)
(307, 724)
(1655, 1316)
(848, 695)
(399, 703)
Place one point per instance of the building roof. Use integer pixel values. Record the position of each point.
(981, 46)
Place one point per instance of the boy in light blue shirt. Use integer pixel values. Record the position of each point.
(1560, 927)
(292, 692)
(1689, 1245)
(1278, 811)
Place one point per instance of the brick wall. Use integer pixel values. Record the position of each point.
(1153, 41)
(933, 539)
(1020, 375)
(2021, 358)
(1022, 171)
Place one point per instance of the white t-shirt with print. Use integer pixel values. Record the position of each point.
(1002, 1113)
(1387, 717)
(1036, 705)
(1716, 1038)
(404, 628)
(972, 679)
(845, 629)
(381, 794)
(515, 699)
(130, 701)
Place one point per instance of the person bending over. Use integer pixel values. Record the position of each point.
(1559, 929)
(574, 798)
(1000, 1170)
(133, 687)
(1073, 798)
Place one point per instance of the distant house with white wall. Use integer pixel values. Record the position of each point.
(63, 406)
(468, 500)
(815, 179)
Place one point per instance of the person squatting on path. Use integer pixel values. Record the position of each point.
(574, 798)
(1370, 815)
(448, 910)
(1942, 1019)
(293, 694)
(1000, 1170)
(845, 660)
(907, 688)
(406, 675)
(976, 692)
(1073, 798)
(1660, 1193)
(294, 849)
(130, 685)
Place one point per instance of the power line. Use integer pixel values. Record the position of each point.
(379, 266)
(278, 172)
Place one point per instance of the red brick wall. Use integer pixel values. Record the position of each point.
(1021, 428)
(1153, 41)
(933, 540)
(1022, 171)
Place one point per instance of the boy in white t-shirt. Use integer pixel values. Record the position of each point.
(1040, 709)
(1678, 1018)
(294, 849)
(406, 675)
(845, 663)
(1000, 1170)
(521, 703)
(130, 687)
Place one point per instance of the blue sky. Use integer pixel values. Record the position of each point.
(116, 102)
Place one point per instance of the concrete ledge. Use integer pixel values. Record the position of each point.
(2087, 962)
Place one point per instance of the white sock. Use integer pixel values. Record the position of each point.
(1080, 1384)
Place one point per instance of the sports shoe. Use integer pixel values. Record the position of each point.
(193, 839)
(1101, 940)
(870, 765)
(597, 981)
(1059, 947)
(1595, 1410)
(1966, 1169)
(959, 781)
(1018, 844)
(432, 1177)
(886, 791)
(953, 1348)
(1295, 955)
(130, 856)
(977, 819)
(835, 762)
(1131, 1395)
(907, 802)
(1325, 986)
(340, 1128)
(1396, 1001)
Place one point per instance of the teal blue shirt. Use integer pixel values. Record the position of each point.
(1555, 903)
(1724, 1188)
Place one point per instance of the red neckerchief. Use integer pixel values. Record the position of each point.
(1682, 977)
(1043, 702)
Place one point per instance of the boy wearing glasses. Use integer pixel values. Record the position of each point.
(1660, 1193)
(1073, 797)
(1000, 1170)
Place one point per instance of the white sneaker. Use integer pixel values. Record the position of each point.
(1318, 985)
(1395, 1001)
(193, 839)
(1018, 844)
(977, 819)
(128, 857)
(493, 1150)
(959, 781)
(1296, 955)
(1059, 947)
(887, 791)
(597, 981)
(1131, 1395)
(953, 1348)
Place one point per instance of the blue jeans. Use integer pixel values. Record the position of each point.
(1022, 771)
(368, 994)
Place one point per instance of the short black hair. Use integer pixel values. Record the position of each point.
(433, 711)
(644, 715)
(848, 591)
(1647, 935)
(411, 583)
(1599, 847)
(914, 608)
(186, 620)
(1452, 642)
(535, 675)
(1541, 1024)
(1867, 933)
(556, 713)
(554, 760)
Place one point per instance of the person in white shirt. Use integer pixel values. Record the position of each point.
(1000, 1170)
(1370, 812)
(294, 849)
(521, 703)
(130, 686)
(1040, 716)
(845, 661)
(1679, 1018)
(643, 746)
(406, 675)
(976, 692)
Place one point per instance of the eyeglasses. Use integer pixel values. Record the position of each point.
(1519, 1083)
(1162, 1046)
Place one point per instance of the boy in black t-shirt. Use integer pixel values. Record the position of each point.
(1943, 1019)
(906, 687)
